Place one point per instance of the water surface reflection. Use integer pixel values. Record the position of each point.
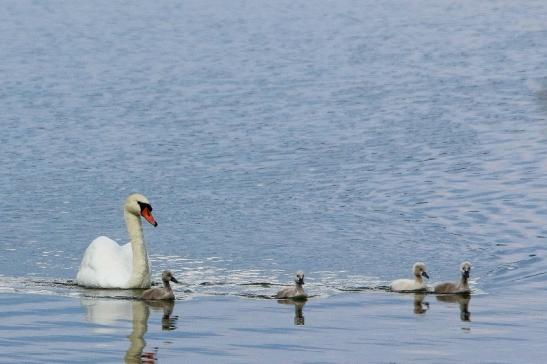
(135, 353)
(168, 322)
(298, 310)
(420, 306)
(462, 300)
(109, 312)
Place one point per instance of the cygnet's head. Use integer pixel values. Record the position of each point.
(138, 204)
(465, 269)
(299, 278)
(167, 276)
(420, 270)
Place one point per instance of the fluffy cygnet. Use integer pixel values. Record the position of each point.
(461, 287)
(417, 284)
(294, 292)
(164, 293)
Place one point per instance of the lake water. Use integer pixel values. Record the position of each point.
(346, 139)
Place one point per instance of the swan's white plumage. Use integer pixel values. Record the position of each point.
(106, 264)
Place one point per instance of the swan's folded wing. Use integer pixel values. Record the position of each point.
(105, 264)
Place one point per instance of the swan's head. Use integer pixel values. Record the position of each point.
(138, 204)
(168, 276)
(299, 278)
(465, 268)
(420, 270)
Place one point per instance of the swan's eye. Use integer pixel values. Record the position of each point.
(144, 205)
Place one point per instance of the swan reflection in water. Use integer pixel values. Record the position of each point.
(420, 306)
(298, 309)
(108, 312)
(462, 300)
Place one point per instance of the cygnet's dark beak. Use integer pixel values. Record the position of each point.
(424, 273)
(465, 274)
(173, 279)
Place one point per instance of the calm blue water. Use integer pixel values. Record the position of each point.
(377, 328)
(348, 139)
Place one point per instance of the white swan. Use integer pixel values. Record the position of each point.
(297, 291)
(452, 287)
(108, 265)
(417, 284)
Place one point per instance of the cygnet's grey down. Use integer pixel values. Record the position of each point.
(163, 293)
(297, 291)
(419, 271)
(461, 287)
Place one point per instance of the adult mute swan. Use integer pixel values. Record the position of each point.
(108, 265)
(417, 284)
(294, 292)
(453, 287)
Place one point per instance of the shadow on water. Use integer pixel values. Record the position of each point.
(298, 309)
(462, 300)
(107, 312)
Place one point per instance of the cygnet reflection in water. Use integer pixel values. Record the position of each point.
(168, 322)
(420, 306)
(295, 292)
(462, 300)
(161, 293)
(298, 310)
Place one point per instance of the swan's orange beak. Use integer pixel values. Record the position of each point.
(147, 214)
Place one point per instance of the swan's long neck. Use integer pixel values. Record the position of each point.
(140, 274)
